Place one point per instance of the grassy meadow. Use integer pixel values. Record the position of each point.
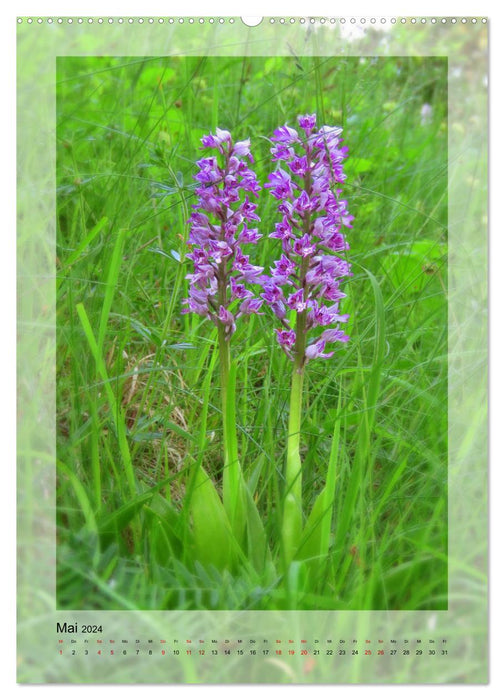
(138, 395)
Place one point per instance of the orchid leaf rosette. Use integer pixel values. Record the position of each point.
(304, 285)
(223, 278)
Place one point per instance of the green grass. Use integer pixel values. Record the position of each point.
(141, 522)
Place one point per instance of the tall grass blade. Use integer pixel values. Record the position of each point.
(86, 241)
(81, 495)
(115, 409)
(110, 288)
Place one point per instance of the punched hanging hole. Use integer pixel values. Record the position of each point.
(251, 21)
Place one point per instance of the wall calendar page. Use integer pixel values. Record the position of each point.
(252, 278)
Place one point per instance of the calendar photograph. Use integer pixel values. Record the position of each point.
(251, 333)
(253, 285)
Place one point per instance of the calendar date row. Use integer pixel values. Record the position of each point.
(254, 652)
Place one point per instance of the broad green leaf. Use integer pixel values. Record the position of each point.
(213, 539)
(164, 529)
(257, 541)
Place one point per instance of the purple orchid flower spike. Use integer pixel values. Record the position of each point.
(311, 268)
(219, 228)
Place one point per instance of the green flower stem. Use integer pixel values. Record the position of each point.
(293, 513)
(232, 480)
(224, 356)
(293, 504)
